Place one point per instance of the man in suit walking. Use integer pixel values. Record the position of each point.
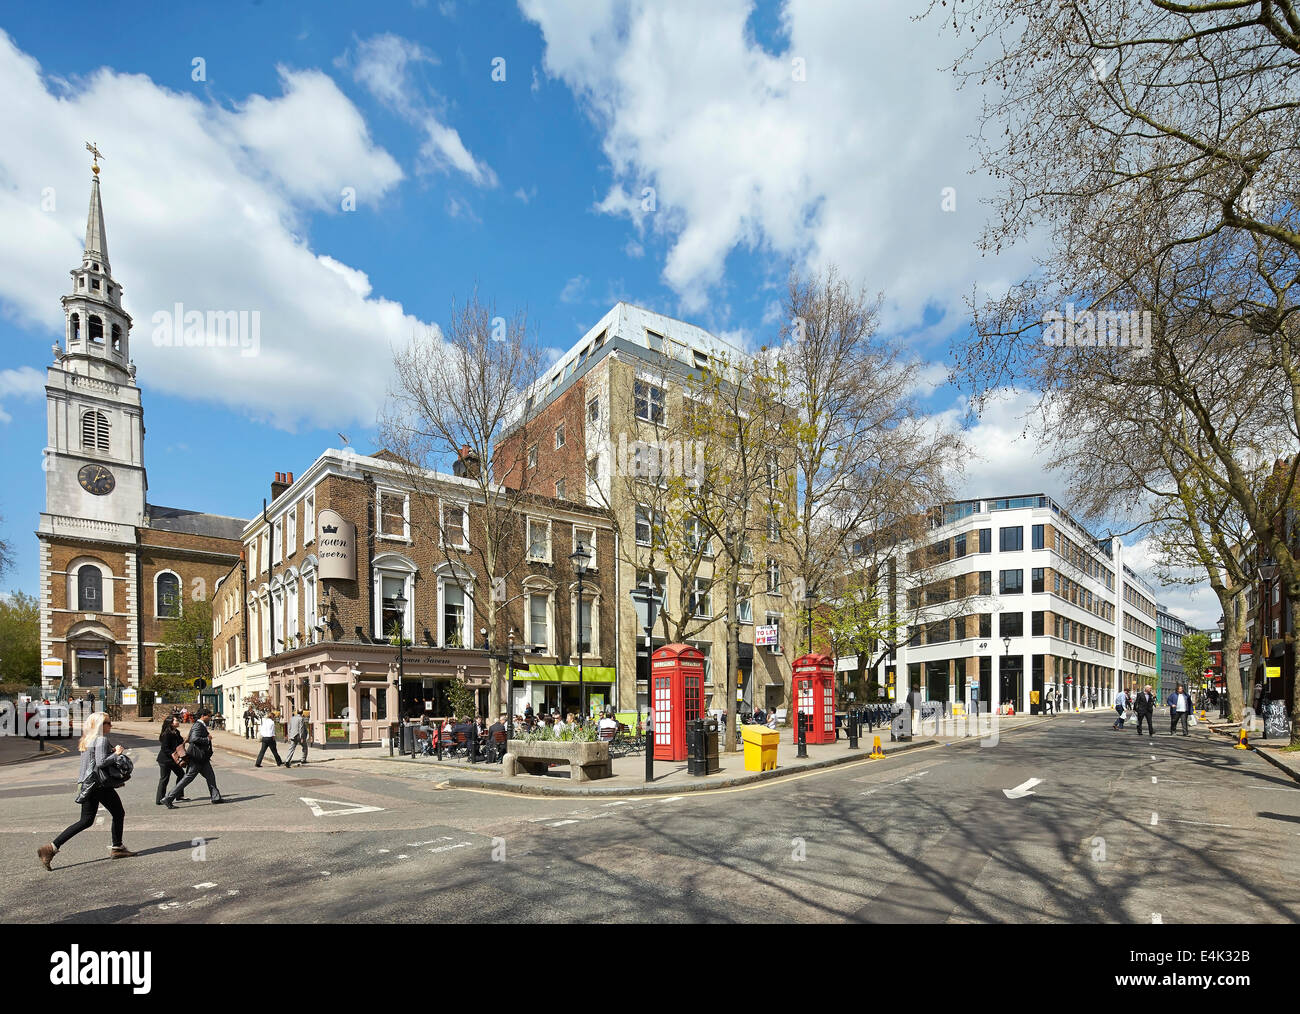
(198, 761)
(298, 737)
(1144, 705)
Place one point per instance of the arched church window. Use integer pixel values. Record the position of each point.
(96, 328)
(94, 431)
(117, 339)
(90, 589)
(168, 588)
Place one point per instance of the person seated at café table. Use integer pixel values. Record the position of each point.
(608, 722)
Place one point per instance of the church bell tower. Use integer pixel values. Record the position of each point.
(94, 454)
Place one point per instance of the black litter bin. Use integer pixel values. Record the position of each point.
(408, 738)
(697, 747)
(710, 747)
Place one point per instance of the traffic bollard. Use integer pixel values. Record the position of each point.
(803, 743)
(853, 732)
(650, 755)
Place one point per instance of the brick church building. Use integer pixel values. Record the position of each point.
(114, 568)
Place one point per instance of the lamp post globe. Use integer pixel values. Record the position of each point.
(581, 560)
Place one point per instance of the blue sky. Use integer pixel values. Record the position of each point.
(767, 133)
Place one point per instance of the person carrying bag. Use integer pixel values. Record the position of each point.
(104, 769)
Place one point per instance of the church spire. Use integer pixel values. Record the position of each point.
(96, 240)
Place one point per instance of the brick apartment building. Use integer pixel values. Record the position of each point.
(115, 570)
(623, 382)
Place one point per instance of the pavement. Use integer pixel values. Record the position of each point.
(1272, 750)
(629, 772)
(1056, 820)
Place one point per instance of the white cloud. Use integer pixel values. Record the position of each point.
(526, 195)
(203, 206)
(23, 382)
(574, 290)
(845, 167)
(386, 66)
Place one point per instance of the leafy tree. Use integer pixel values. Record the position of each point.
(20, 642)
(186, 651)
(1196, 658)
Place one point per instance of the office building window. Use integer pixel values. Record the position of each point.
(986, 582)
(1011, 539)
(986, 540)
(1036, 579)
(960, 544)
(1036, 624)
(1011, 582)
(1011, 624)
(1038, 537)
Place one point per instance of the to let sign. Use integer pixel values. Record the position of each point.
(765, 634)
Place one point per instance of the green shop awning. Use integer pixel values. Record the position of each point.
(566, 673)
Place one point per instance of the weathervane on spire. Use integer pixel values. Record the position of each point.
(96, 155)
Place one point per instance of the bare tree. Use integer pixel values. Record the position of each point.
(455, 395)
(1178, 199)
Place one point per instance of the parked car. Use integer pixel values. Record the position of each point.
(53, 721)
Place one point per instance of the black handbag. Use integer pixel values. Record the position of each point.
(93, 781)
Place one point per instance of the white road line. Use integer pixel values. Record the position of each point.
(1156, 920)
(1153, 779)
(403, 856)
(1154, 819)
(670, 799)
(204, 886)
(347, 808)
(1201, 823)
(617, 802)
(561, 823)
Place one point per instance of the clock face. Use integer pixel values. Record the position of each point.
(96, 479)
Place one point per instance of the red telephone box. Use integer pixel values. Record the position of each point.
(814, 696)
(677, 696)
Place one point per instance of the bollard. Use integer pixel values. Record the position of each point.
(876, 752)
(437, 747)
(803, 742)
(650, 755)
(1242, 743)
(853, 731)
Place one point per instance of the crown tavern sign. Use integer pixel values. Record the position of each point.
(336, 547)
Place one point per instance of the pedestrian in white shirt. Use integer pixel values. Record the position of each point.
(1180, 706)
(268, 742)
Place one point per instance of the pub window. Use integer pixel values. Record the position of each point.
(90, 589)
(453, 615)
(393, 507)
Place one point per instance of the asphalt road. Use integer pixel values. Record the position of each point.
(1120, 829)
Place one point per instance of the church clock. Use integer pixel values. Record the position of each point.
(96, 479)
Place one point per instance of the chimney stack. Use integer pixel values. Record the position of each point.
(467, 464)
(283, 480)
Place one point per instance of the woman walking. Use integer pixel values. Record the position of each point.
(168, 740)
(97, 756)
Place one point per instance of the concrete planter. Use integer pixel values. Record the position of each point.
(588, 760)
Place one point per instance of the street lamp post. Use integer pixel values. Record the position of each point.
(1267, 573)
(1223, 672)
(510, 686)
(647, 595)
(1006, 651)
(581, 558)
(809, 600)
(1074, 671)
(400, 602)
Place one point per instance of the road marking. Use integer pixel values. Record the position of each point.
(670, 799)
(617, 802)
(1023, 789)
(204, 886)
(347, 808)
(1153, 756)
(403, 856)
(324, 873)
(1156, 920)
(561, 823)
(169, 905)
(384, 852)
(232, 892)
(1153, 779)
(1202, 823)
(458, 845)
(1154, 818)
